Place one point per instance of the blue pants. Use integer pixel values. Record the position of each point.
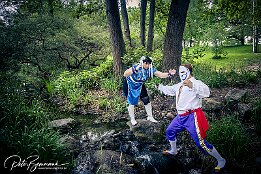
(180, 123)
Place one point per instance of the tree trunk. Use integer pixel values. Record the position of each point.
(151, 26)
(143, 7)
(172, 50)
(242, 40)
(255, 34)
(117, 42)
(125, 20)
(255, 39)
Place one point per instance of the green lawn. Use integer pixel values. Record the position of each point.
(237, 56)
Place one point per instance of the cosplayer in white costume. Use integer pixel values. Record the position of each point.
(134, 87)
(189, 93)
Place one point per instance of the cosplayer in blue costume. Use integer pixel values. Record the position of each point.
(189, 93)
(134, 88)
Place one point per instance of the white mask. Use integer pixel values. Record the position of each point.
(183, 73)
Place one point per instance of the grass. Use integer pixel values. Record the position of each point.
(236, 57)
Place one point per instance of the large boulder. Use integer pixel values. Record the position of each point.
(105, 161)
(155, 162)
(63, 125)
(244, 110)
(147, 132)
(235, 96)
(210, 104)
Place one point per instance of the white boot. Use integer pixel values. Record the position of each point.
(173, 145)
(221, 161)
(148, 109)
(131, 114)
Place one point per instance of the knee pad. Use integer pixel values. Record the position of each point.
(145, 100)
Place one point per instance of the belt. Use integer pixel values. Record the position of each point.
(189, 112)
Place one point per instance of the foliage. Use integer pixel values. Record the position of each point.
(73, 84)
(230, 137)
(197, 21)
(222, 77)
(133, 56)
(24, 130)
(256, 116)
(218, 51)
(111, 85)
(210, 75)
(197, 53)
(113, 104)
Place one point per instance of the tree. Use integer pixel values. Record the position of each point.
(143, 7)
(151, 26)
(237, 9)
(125, 20)
(117, 42)
(172, 50)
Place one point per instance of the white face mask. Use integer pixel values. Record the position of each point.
(183, 73)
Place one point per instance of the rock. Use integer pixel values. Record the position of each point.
(211, 104)
(72, 143)
(235, 95)
(244, 110)
(195, 171)
(170, 115)
(147, 132)
(85, 164)
(155, 162)
(114, 162)
(62, 124)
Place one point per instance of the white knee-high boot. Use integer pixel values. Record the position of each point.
(173, 145)
(148, 109)
(221, 161)
(131, 114)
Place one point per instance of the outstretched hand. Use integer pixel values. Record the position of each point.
(172, 72)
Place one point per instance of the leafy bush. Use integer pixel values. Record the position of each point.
(114, 104)
(73, 84)
(43, 142)
(197, 53)
(133, 56)
(23, 125)
(230, 137)
(209, 75)
(111, 85)
(218, 78)
(218, 51)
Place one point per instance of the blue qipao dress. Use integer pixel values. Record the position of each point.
(135, 82)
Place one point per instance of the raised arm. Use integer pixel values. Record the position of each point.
(165, 75)
(167, 90)
(131, 70)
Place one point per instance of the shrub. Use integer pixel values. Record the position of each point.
(23, 125)
(73, 84)
(230, 137)
(218, 78)
(111, 85)
(210, 75)
(133, 56)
